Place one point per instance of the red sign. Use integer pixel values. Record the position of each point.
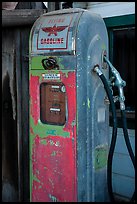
(53, 33)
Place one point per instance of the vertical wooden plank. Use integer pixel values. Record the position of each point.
(19, 108)
(24, 49)
(9, 129)
(51, 6)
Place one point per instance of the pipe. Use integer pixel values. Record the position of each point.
(114, 132)
(126, 137)
(120, 85)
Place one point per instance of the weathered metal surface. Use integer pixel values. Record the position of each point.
(92, 112)
(74, 155)
(53, 148)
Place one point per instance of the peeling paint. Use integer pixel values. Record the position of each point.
(53, 198)
(73, 123)
(98, 37)
(36, 62)
(36, 179)
(88, 102)
(51, 142)
(51, 132)
(103, 46)
(53, 148)
(40, 129)
(56, 153)
(60, 63)
(34, 85)
(31, 130)
(44, 142)
(101, 154)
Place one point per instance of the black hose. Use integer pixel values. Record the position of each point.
(127, 137)
(113, 140)
(114, 135)
(124, 122)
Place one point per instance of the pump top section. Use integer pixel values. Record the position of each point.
(60, 31)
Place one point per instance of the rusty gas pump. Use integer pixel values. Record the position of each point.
(69, 116)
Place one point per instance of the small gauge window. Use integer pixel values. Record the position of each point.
(52, 103)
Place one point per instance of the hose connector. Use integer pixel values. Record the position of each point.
(119, 82)
(97, 69)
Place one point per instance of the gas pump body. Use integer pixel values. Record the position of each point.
(69, 125)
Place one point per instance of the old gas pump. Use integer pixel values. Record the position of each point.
(68, 108)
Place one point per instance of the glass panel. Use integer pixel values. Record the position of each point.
(53, 103)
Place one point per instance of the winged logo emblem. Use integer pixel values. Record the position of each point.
(54, 30)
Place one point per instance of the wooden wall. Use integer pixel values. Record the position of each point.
(15, 101)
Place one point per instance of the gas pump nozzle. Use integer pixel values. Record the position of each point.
(119, 82)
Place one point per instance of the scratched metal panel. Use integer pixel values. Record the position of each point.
(92, 112)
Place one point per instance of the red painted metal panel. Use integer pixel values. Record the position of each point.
(34, 96)
(54, 156)
(54, 168)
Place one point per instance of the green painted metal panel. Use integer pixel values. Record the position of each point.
(126, 20)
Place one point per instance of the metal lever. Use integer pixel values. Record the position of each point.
(119, 82)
